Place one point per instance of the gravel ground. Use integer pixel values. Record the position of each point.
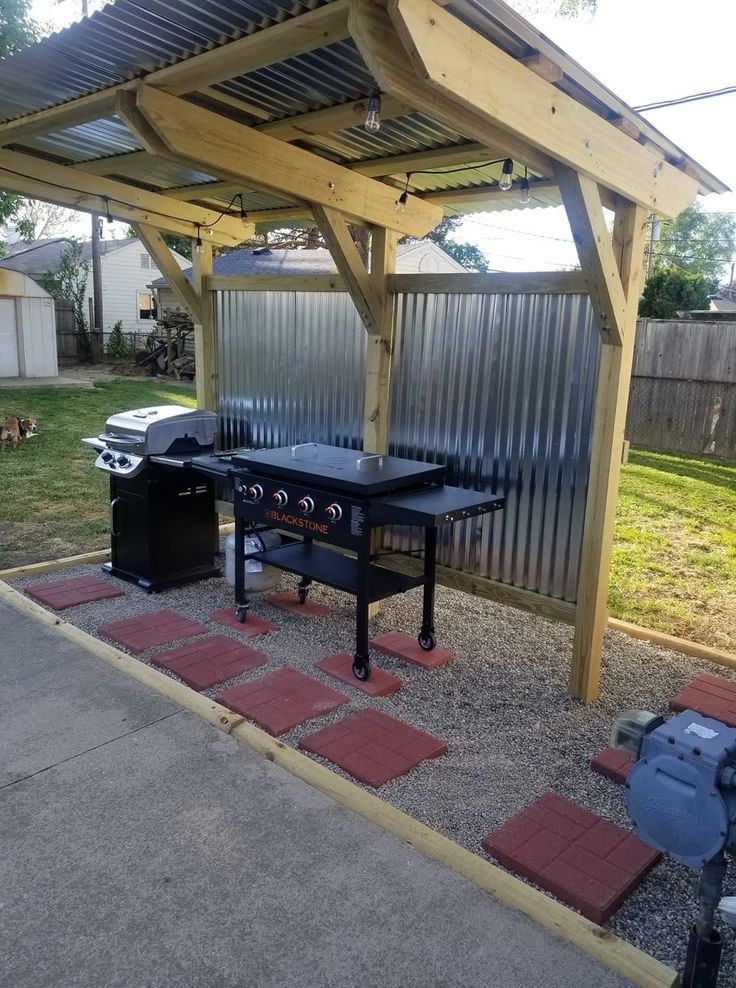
(502, 706)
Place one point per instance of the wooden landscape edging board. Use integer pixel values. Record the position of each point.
(605, 947)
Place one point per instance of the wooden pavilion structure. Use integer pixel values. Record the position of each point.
(215, 120)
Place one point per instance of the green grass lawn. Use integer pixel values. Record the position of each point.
(52, 502)
(674, 559)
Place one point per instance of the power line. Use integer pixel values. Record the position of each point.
(694, 97)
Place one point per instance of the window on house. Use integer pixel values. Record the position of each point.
(146, 262)
(147, 305)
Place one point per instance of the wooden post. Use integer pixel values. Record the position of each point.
(205, 342)
(614, 378)
(379, 351)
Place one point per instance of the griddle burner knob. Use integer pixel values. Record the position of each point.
(123, 461)
(281, 498)
(334, 512)
(255, 492)
(106, 457)
(307, 505)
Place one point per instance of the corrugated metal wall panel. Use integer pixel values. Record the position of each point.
(499, 387)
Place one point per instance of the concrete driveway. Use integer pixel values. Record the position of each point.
(142, 848)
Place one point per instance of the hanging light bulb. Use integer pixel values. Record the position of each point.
(243, 214)
(373, 117)
(524, 193)
(506, 181)
(198, 243)
(400, 204)
(107, 210)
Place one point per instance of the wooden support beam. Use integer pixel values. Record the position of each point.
(584, 210)
(234, 102)
(333, 118)
(323, 26)
(467, 154)
(517, 283)
(276, 283)
(376, 38)
(379, 352)
(164, 260)
(614, 378)
(60, 117)
(126, 109)
(350, 265)
(459, 64)
(490, 196)
(190, 193)
(205, 338)
(543, 67)
(40, 179)
(237, 152)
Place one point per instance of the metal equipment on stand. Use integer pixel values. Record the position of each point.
(681, 796)
(163, 524)
(325, 495)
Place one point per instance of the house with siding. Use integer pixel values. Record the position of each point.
(127, 273)
(422, 256)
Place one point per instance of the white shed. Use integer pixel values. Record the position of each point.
(27, 328)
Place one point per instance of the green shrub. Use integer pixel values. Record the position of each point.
(117, 346)
(668, 292)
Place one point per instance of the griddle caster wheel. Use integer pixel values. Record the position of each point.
(361, 668)
(426, 640)
(242, 613)
(303, 593)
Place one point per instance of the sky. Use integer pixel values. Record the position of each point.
(643, 50)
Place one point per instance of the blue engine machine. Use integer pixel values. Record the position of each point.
(681, 796)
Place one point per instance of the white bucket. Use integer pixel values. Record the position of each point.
(258, 578)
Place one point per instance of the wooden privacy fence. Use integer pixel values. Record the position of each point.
(66, 333)
(683, 389)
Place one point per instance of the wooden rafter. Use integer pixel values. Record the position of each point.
(56, 118)
(349, 264)
(331, 119)
(237, 152)
(165, 262)
(467, 154)
(76, 189)
(458, 63)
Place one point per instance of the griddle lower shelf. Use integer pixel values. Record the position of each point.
(336, 570)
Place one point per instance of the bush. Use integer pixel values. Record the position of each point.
(117, 347)
(668, 292)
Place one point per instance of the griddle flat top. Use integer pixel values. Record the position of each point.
(332, 467)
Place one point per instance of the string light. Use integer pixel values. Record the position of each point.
(243, 214)
(373, 117)
(400, 204)
(524, 193)
(506, 180)
(107, 210)
(198, 244)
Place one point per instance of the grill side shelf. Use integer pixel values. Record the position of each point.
(336, 570)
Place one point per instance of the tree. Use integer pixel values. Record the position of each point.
(35, 219)
(16, 31)
(70, 281)
(668, 292)
(697, 242)
(560, 8)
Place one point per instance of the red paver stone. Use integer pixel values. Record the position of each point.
(402, 646)
(612, 763)
(290, 602)
(373, 747)
(711, 696)
(282, 700)
(73, 592)
(584, 860)
(207, 663)
(340, 666)
(251, 627)
(139, 633)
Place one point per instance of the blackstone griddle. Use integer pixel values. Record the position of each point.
(339, 497)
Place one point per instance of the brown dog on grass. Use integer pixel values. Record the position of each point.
(15, 429)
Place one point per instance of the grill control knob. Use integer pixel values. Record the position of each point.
(281, 498)
(334, 512)
(123, 461)
(255, 492)
(307, 505)
(106, 456)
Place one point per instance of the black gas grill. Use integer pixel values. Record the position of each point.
(332, 496)
(163, 525)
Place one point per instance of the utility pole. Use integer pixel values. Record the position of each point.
(96, 329)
